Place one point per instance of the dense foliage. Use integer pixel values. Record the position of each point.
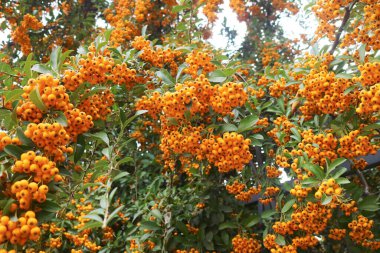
(141, 137)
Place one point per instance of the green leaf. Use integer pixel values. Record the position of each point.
(54, 57)
(178, 8)
(280, 240)
(369, 203)
(14, 150)
(13, 95)
(121, 175)
(25, 140)
(228, 128)
(334, 164)
(247, 123)
(156, 213)
(288, 205)
(339, 172)
(326, 199)
(344, 76)
(149, 225)
(362, 52)
(268, 213)
(342, 180)
(79, 148)
(217, 76)
(102, 136)
(91, 225)
(165, 76)
(227, 224)
(35, 97)
(296, 134)
(125, 160)
(50, 206)
(43, 69)
(114, 213)
(61, 119)
(315, 169)
(309, 180)
(94, 217)
(251, 221)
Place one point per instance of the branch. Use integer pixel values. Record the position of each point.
(341, 28)
(364, 182)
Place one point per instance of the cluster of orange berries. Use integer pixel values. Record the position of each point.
(337, 234)
(122, 75)
(270, 244)
(365, 29)
(197, 61)
(28, 111)
(20, 34)
(192, 250)
(54, 243)
(83, 240)
(40, 166)
(349, 208)
(19, 232)
(369, 74)
(312, 219)
(158, 57)
(229, 152)
(328, 187)
(6, 140)
(318, 147)
(300, 192)
(52, 94)
(210, 9)
(245, 244)
(324, 93)
(25, 192)
(228, 96)
(53, 138)
(237, 189)
(282, 124)
(285, 227)
(272, 172)
(269, 53)
(95, 67)
(238, 6)
(369, 100)
(360, 233)
(271, 191)
(78, 122)
(98, 105)
(353, 145)
(305, 242)
(191, 229)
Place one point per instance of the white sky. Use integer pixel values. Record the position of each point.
(291, 26)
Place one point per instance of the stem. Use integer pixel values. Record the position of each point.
(341, 28)
(363, 181)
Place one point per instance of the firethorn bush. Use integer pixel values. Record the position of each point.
(138, 136)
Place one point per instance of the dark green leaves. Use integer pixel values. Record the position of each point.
(247, 123)
(35, 97)
(165, 76)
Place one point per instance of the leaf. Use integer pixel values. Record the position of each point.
(149, 225)
(79, 148)
(114, 213)
(94, 217)
(164, 75)
(179, 71)
(228, 128)
(35, 97)
(342, 180)
(61, 119)
(121, 175)
(334, 164)
(102, 136)
(288, 205)
(178, 8)
(25, 140)
(344, 76)
(296, 134)
(54, 57)
(50, 206)
(369, 203)
(228, 224)
(13, 95)
(125, 160)
(43, 69)
(326, 199)
(339, 172)
(251, 221)
(247, 123)
(91, 225)
(156, 213)
(14, 150)
(268, 213)
(309, 180)
(140, 112)
(280, 240)
(217, 76)
(315, 169)
(362, 52)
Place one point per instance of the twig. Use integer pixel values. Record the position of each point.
(364, 182)
(341, 28)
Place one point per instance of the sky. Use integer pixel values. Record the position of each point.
(291, 25)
